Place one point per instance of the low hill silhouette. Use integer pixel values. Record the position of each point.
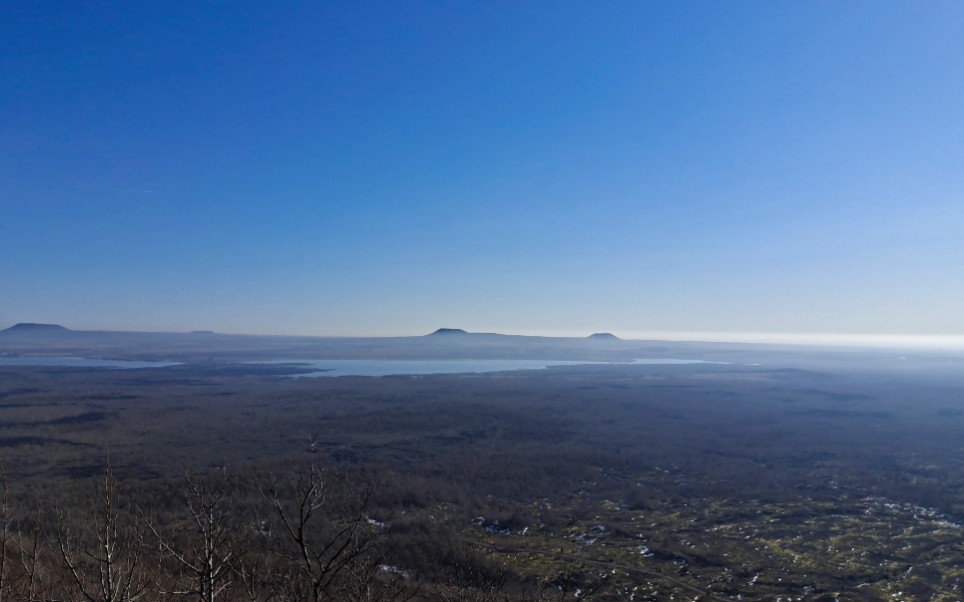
(445, 332)
(603, 337)
(31, 328)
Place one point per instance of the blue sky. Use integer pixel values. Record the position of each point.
(559, 167)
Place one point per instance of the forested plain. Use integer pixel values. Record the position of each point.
(786, 479)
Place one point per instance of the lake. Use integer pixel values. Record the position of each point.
(352, 367)
(424, 367)
(81, 362)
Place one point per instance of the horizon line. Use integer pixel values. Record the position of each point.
(876, 340)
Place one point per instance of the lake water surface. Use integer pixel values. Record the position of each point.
(424, 367)
(351, 367)
(80, 362)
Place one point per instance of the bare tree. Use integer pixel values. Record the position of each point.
(30, 541)
(257, 577)
(321, 553)
(4, 535)
(101, 556)
(471, 584)
(369, 580)
(205, 562)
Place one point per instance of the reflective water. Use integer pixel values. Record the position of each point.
(347, 367)
(80, 362)
(422, 367)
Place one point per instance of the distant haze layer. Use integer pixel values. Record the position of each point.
(904, 341)
(798, 338)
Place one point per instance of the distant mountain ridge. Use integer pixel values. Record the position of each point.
(447, 332)
(32, 328)
(27, 339)
(603, 336)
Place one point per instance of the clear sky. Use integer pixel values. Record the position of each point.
(528, 167)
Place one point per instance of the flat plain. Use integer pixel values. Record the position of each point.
(796, 479)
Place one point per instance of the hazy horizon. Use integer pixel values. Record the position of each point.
(894, 341)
